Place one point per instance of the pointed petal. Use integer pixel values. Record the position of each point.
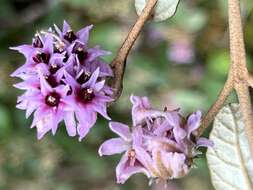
(86, 115)
(96, 52)
(105, 69)
(93, 79)
(31, 108)
(121, 129)
(48, 44)
(39, 114)
(22, 70)
(99, 85)
(44, 86)
(83, 34)
(66, 27)
(26, 50)
(57, 117)
(101, 109)
(57, 29)
(71, 81)
(70, 123)
(82, 130)
(42, 128)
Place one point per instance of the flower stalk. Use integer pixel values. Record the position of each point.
(119, 63)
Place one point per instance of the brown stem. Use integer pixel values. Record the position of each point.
(245, 106)
(238, 77)
(212, 112)
(119, 63)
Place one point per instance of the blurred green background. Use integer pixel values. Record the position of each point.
(182, 62)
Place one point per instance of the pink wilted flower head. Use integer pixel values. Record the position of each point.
(160, 144)
(64, 80)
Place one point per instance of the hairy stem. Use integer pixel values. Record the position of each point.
(212, 112)
(240, 72)
(245, 106)
(238, 76)
(119, 63)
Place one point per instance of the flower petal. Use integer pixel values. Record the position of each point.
(26, 50)
(124, 170)
(193, 122)
(113, 146)
(43, 127)
(99, 85)
(179, 133)
(137, 136)
(70, 123)
(66, 27)
(204, 142)
(83, 34)
(82, 130)
(48, 45)
(44, 86)
(175, 164)
(93, 79)
(121, 129)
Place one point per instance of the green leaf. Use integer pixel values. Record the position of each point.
(163, 10)
(229, 161)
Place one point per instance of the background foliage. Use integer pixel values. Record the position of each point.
(178, 63)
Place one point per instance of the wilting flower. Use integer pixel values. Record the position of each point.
(64, 80)
(160, 144)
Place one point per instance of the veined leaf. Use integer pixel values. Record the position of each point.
(229, 160)
(164, 8)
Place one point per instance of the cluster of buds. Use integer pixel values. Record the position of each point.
(160, 144)
(64, 80)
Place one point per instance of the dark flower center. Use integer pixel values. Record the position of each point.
(66, 58)
(53, 68)
(52, 81)
(41, 57)
(70, 36)
(83, 78)
(58, 47)
(86, 94)
(53, 99)
(81, 54)
(37, 43)
(80, 51)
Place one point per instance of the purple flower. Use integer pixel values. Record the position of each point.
(64, 80)
(161, 143)
(87, 99)
(49, 106)
(36, 55)
(69, 36)
(128, 143)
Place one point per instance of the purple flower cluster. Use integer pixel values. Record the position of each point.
(160, 144)
(64, 80)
